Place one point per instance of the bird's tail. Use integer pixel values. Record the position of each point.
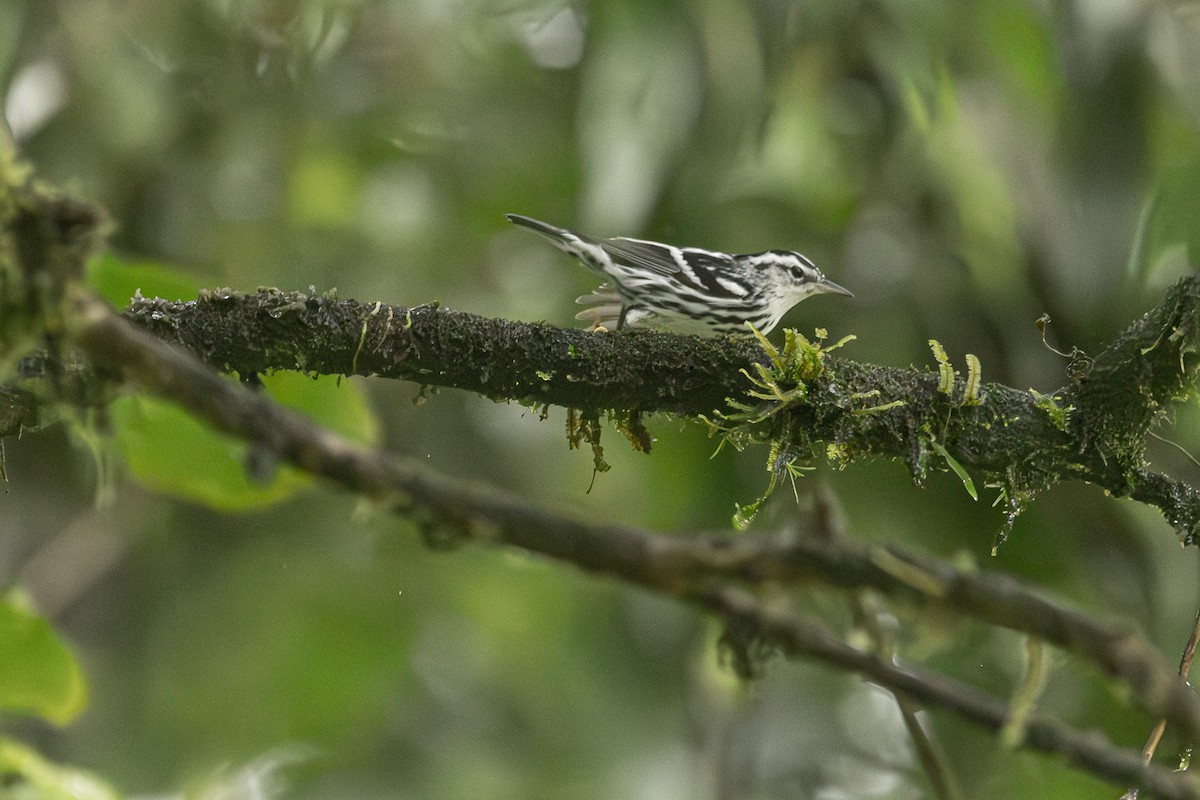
(588, 250)
(544, 228)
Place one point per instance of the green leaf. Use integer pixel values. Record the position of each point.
(29, 776)
(172, 452)
(38, 674)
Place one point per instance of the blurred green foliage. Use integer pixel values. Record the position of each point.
(217, 471)
(39, 674)
(963, 168)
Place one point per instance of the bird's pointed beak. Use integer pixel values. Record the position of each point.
(830, 287)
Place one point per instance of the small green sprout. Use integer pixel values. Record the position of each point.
(945, 371)
(974, 373)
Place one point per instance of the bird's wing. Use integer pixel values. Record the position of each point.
(698, 269)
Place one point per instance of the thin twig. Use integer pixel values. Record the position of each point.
(1185, 667)
(930, 754)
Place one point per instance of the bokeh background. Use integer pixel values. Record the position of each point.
(963, 168)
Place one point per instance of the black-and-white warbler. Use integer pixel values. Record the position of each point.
(686, 289)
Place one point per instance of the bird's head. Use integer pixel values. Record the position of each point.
(798, 273)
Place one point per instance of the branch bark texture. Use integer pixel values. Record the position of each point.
(1092, 429)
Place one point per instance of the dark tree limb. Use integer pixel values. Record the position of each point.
(1093, 429)
(797, 636)
(529, 362)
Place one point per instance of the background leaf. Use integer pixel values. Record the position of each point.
(170, 451)
(38, 673)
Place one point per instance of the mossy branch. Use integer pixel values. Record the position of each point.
(533, 363)
(1092, 429)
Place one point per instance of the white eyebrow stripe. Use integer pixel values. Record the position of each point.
(791, 258)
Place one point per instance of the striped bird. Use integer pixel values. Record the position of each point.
(686, 289)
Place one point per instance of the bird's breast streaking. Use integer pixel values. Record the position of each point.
(686, 289)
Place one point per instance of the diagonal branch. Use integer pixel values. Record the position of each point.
(700, 570)
(800, 637)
